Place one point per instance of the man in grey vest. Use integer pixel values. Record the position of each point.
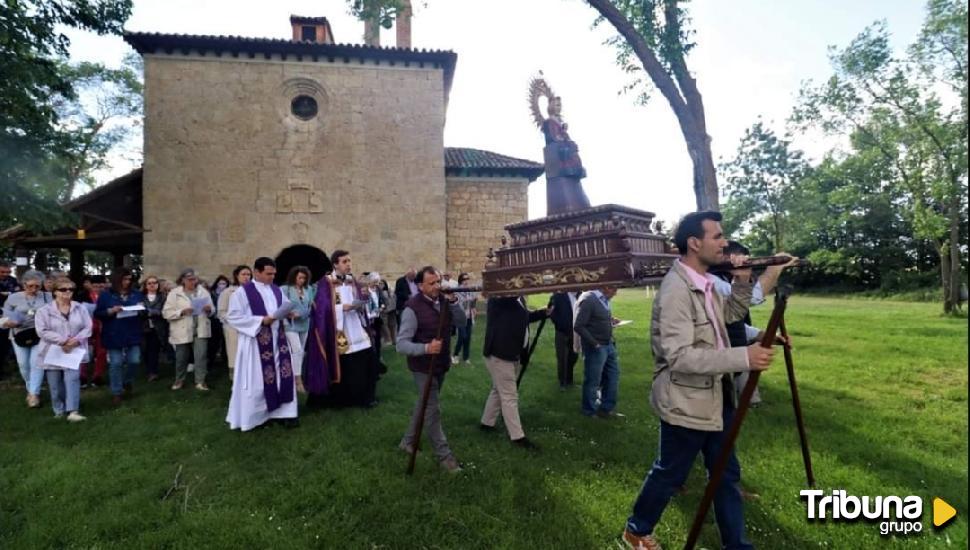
(424, 336)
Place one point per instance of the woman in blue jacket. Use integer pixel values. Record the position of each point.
(121, 331)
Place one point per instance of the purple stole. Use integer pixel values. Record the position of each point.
(264, 338)
(322, 360)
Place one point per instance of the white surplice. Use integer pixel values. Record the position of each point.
(247, 406)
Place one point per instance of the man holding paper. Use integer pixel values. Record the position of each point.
(64, 327)
(264, 385)
(118, 309)
(188, 327)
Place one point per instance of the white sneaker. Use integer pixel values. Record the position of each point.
(191, 368)
(454, 359)
(75, 416)
(468, 362)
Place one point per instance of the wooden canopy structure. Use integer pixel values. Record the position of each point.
(109, 220)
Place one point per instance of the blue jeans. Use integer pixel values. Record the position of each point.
(118, 374)
(65, 386)
(678, 449)
(601, 371)
(464, 343)
(32, 374)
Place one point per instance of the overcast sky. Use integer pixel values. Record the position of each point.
(750, 59)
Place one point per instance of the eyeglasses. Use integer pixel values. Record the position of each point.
(65, 289)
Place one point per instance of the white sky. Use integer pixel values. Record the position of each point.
(751, 57)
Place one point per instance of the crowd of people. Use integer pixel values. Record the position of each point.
(321, 335)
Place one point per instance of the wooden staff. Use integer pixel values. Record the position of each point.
(426, 394)
(717, 473)
(532, 348)
(797, 404)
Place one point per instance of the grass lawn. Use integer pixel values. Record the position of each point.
(883, 386)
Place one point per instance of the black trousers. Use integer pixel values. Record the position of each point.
(565, 357)
(358, 381)
(6, 350)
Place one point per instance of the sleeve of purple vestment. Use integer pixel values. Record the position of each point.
(322, 363)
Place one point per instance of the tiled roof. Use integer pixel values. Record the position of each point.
(463, 161)
(151, 42)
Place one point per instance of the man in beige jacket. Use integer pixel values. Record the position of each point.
(692, 382)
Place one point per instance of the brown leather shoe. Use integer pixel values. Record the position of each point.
(116, 400)
(451, 465)
(640, 542)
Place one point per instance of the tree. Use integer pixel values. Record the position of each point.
(898, 108)
(32, 48)
(104, 114)
(655, 31)
(760, 181)
(377, 14)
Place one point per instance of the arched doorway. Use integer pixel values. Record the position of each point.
(302, 254)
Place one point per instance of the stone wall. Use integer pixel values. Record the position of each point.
(478, 211)
(231, 174)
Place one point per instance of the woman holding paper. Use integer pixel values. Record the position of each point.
(120, 309)
(187, 309)
(19, 312)
(64, 327)
(301, 294)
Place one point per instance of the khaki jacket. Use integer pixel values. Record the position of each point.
(687, 380)
(180, 328)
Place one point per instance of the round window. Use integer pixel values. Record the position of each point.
(303, 107)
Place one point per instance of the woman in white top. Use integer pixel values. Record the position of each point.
(240, 276)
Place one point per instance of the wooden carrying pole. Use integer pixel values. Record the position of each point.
(532, 348)
(717, 473)
(426, 394)
(797, 405)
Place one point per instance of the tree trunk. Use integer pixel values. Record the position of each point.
(705, 175)
(954, 254)
(685, 101)
(943, 249)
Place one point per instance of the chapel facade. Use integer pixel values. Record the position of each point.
(257, 146)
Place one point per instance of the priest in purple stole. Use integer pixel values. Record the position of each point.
(322, 367)
(264, 385)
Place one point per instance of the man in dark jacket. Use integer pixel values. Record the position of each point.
(8, 285)
(506, 342)
(424, 337)
(601, 368)
(404, 289)
(563, 304)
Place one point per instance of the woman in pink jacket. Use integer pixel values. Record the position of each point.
(66, 324)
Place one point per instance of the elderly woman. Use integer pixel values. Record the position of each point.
(19, 312)
(66, 324)
(187, 309)
(121, 331)
(302, 294)
(240, 276)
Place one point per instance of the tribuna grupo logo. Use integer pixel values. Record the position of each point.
(896, 515)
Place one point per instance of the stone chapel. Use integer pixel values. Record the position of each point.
(294, 148)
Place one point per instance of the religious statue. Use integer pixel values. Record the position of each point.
(564, 169)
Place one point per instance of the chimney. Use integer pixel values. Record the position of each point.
(311, 29)
(403, 25)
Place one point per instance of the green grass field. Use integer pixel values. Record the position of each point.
(883, 386)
